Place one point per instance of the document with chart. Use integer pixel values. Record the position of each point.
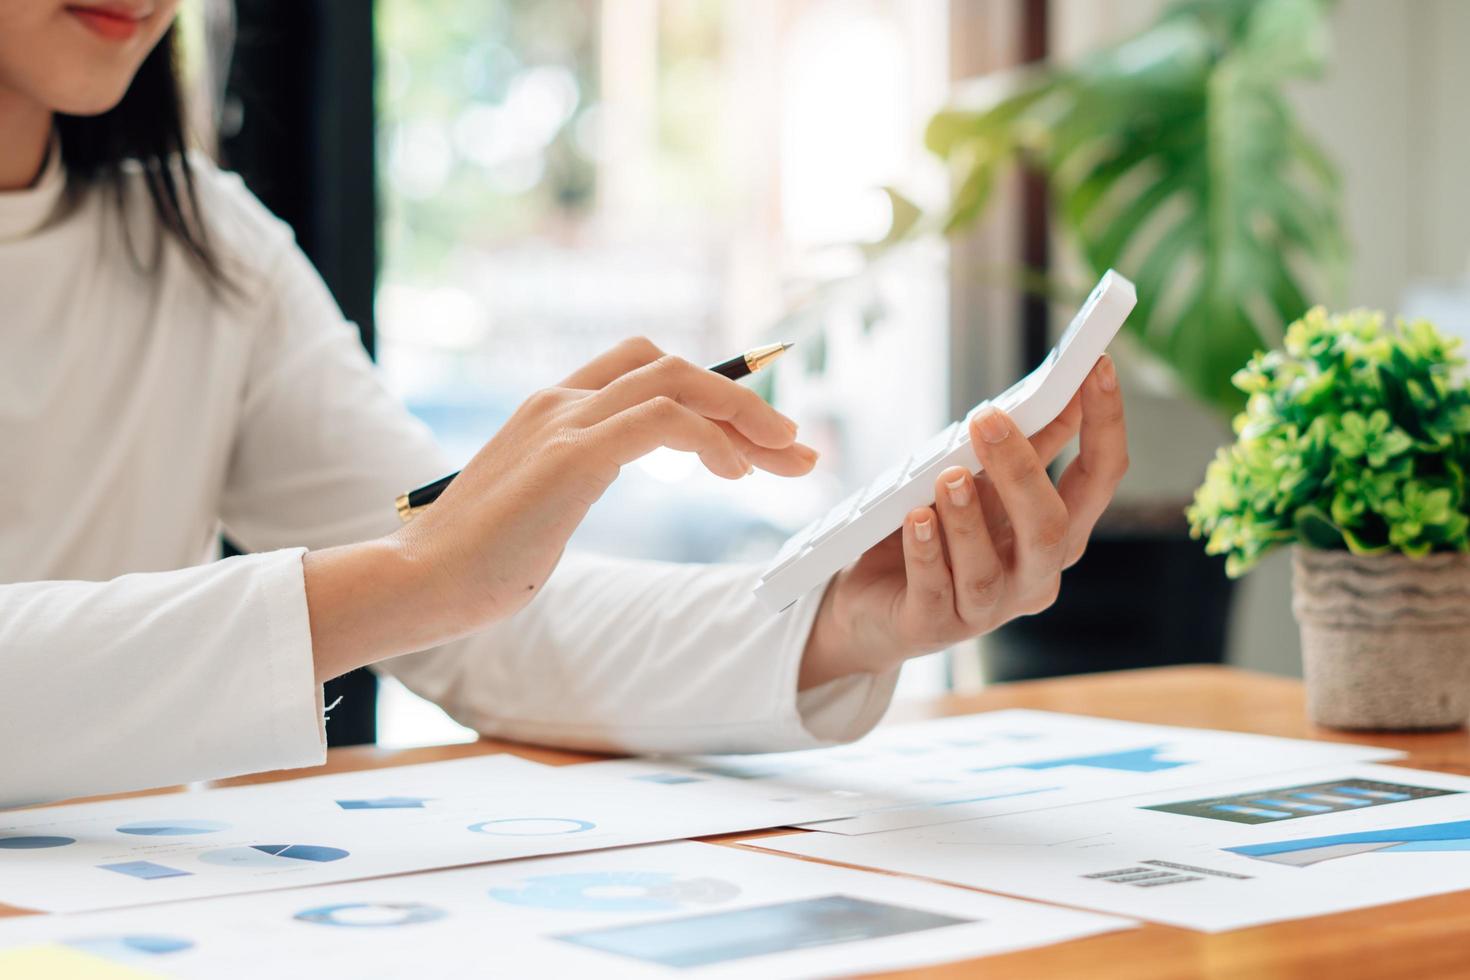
(1212, 858)
(356, 825)
(999, 762)
(694, 910)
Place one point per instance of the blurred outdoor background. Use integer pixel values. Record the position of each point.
(550, 176)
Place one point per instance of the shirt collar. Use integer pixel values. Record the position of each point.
(24, 212)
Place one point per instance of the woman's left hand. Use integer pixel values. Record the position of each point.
(991, 549)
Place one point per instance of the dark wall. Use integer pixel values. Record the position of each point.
(297, 124)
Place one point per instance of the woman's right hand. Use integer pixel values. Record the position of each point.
(492, 539)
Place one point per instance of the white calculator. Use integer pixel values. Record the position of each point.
(831, 542)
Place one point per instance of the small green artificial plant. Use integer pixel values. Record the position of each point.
(1353, 437)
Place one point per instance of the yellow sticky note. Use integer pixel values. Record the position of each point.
(63, 963)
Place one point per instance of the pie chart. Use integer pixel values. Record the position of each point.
(366, 915)
(172, 828)
(272, 857)
(32, 843)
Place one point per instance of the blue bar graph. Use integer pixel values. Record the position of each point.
(1334, 800)
(1375, 794)
(1297, 805)
(1298, 802)
(1253, 811)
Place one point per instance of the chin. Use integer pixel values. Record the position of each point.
(89, 106)
(80, 76)
(89, 100)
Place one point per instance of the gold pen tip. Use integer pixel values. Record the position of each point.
(761, 356)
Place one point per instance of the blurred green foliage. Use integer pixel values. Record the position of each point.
(440, 60)
(448, 69)
(1175, 158)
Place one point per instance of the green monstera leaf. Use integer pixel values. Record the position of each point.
(1175, 158)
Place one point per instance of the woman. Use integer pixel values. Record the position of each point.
(172, 364)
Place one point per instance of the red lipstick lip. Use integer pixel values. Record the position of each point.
(115, 21)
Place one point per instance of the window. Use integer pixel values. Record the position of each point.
(562, 174)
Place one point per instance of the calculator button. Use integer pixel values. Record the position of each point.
(792, 547)
(783, 559)
(933, 450)
(836, 518)
(794, 543)
(830, 529)
(886, 482)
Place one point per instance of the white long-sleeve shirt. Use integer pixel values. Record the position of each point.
(140, 414)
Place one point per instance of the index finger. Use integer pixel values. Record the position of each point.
(711, 395)
(607, 367)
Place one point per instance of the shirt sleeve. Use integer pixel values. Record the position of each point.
(613, 655)
(200, 673)
(647, 657)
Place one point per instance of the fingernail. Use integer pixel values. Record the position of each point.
(993, 427)
(923, 530)
(807, 453)
(790, 423)
(1107, 375)
(959, 491)
(749, 469)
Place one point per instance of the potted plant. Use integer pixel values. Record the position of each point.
(1173, 156)
(1354, 446)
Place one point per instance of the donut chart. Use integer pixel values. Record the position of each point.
(532, 827)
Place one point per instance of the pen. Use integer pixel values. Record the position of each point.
(735, 368)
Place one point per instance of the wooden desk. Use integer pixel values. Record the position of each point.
(1427, 937)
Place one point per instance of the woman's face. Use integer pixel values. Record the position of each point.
(77, 58)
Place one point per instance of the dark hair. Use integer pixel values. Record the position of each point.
(148, 128)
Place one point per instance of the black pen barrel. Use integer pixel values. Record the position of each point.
(735, 368)
(429, 492)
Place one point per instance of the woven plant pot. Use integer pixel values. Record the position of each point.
(1385, 639)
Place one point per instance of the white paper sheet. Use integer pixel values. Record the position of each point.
(953, 769)
(677, 909)
(1210, 858)
(355, 825)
